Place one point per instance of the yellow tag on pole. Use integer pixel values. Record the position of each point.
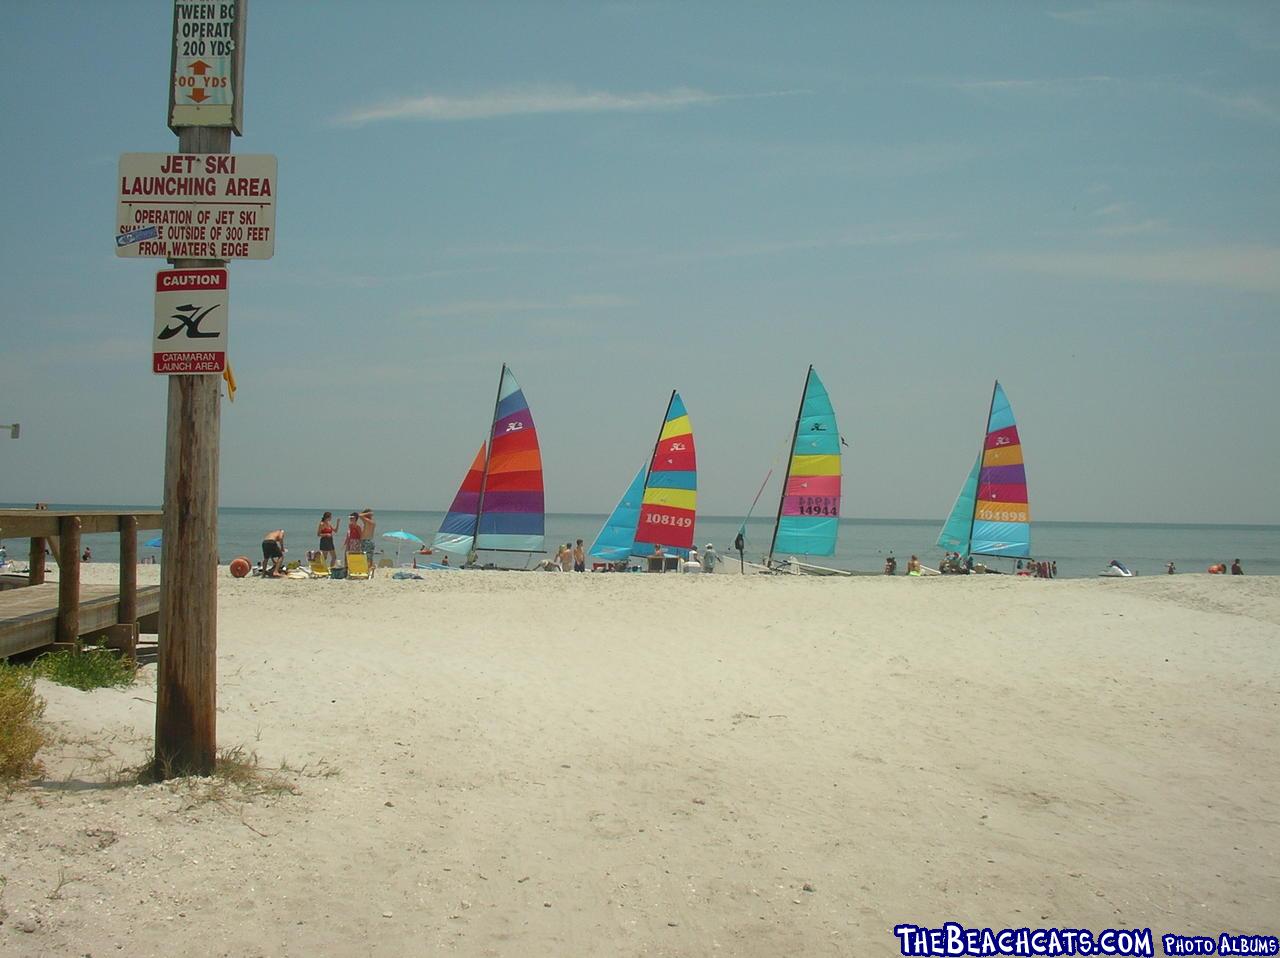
(230, 377)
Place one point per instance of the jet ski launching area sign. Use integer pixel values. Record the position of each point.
(207, 72)
(191, 321)
(203, 205)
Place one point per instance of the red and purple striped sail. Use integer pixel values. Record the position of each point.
(458, 531)
(511, 502)
(499, 505)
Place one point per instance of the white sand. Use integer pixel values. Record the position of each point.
(571, 765)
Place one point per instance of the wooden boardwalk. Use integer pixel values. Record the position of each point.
(40, 614)
(29, 616)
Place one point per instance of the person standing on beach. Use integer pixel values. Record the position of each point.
(367, 525)
(352, 542)
(273, 552)
(325, 531)
(709, 558)
(579, 558)
(1235, 568)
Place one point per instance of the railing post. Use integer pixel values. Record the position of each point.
(69, 580)
(128, 570)
(35, 562)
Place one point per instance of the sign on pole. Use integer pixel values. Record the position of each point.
(204, 205)
(191, 321)
(207, 67)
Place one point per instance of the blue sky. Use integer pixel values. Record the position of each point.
(621, 198)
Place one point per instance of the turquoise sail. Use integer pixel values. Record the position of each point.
(956, 533)
(991, 515)
(809, 510)
(617, 536)
(1002, 515)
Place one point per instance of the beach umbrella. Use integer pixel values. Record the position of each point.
(401, 536)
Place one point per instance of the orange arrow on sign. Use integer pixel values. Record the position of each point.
(199, 68)
(198, 95)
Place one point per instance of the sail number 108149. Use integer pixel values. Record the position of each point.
(662, 519)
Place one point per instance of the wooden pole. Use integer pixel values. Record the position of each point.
(35, 562)
(68, 580)
(128, 570)
(186, 694)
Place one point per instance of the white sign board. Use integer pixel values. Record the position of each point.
(204, 205)
(191, 321)
(207, 64)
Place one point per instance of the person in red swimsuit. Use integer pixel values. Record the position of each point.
(325, 531)
(353, 534)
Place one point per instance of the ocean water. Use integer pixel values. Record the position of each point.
(1081, 549)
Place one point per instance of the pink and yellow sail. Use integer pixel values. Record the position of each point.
(668, 508)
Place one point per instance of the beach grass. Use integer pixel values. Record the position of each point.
(87, 669)
(21, 735)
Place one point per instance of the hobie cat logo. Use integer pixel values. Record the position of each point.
(678, 447)
(514, 426)
(189, 318)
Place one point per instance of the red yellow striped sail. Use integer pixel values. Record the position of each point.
(669, 506)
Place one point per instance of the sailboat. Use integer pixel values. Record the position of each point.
(499, 506)
(659, 505)
(808, 519)
(991, 515)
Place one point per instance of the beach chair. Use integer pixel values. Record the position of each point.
(318, 568)
(357, 566)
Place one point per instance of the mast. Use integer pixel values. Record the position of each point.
(648, 469)
(782, 496)
(488, 451)
(982, 451)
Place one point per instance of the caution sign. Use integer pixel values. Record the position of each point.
(203, 205)
(191, 321)
(207, 65)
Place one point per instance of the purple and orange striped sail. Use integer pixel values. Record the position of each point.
(511, 502)
(499, 505)
(1001, 515)
(668, 509)
(991, 515)
(458, 531)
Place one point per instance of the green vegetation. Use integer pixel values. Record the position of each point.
(87, 669)
(20, 734)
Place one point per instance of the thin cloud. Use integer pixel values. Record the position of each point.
(1253, 269)
(1251, 105)
(1035, 85)
(534, 101)
(501, 307)
(1243, 106)
(1138, 228)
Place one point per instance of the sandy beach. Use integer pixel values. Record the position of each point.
(535, 764)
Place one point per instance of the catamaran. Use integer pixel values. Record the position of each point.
(808, 519)
(991, 515)
(499, 506)
(658, 508)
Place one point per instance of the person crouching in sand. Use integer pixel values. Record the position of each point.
(273, 552)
